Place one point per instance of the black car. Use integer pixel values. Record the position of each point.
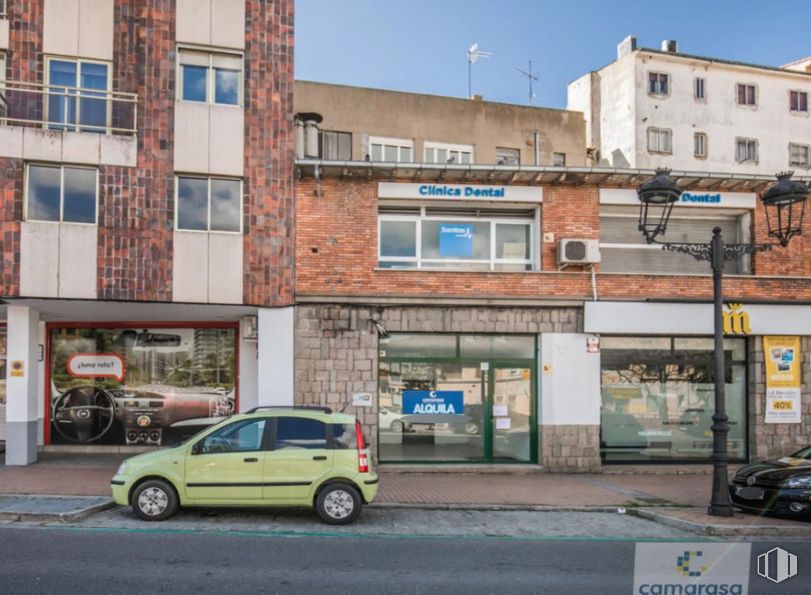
(779, 486)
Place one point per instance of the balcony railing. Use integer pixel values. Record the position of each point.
(56, 107)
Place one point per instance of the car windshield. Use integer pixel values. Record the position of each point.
(803, 454)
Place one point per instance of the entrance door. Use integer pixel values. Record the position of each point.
(512, 414)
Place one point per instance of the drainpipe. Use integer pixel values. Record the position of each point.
(536, 143)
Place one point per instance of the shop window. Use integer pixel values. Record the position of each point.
(78, 92)
(392, 150)
(746, 150)
(798, 155)
(658, 83)
(335, 145)
(660, 140)
(624, 250)
(209, 204)
(445, 153)
(798, 101)
(700, 89)
(141, 386)
(507, 156)
(746, 94)
(475, 239)
(658, 398)
(61, 193)
(210, 77)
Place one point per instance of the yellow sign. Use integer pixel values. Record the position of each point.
(782, 355)
(736, 320)
(17, 368)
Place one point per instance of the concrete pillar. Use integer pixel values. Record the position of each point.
(247, 374)
(275, 360)
(22, 385)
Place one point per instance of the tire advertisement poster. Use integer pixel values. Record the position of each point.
(139, 386)
(783, 379)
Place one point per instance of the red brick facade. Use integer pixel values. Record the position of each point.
(336, 255)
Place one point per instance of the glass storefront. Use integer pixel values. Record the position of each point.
(457, 398)
(658, 398)
(139, 386)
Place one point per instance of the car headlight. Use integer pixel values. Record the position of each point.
(121, 468)
(798, 482)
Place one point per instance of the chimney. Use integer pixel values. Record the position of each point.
(310, 134)
(671, 46)
(626, 46)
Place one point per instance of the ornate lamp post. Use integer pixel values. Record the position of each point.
(785, 206)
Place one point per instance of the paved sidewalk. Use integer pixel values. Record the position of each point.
(51, 508)
(696, 520)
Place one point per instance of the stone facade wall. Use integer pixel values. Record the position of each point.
(768, 441)
(570, 449)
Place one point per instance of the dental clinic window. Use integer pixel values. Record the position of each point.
(459, 238)
(444, 153)
(623, 248)
(392, 150)
(208, 77)
(658, 398)
(208, 204)
(78, 95)
(61, 193)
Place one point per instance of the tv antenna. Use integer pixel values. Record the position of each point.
(532, 78)
(473, 55)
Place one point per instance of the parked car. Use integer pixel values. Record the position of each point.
(392, 421)
(779, 486)
(268, 456)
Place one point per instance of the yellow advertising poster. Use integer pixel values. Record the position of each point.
(783, 381)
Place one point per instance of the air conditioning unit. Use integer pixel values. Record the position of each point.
(249, 330)
(575, 251)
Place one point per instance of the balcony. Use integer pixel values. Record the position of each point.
(60, 123)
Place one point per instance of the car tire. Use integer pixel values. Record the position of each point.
(471, 428)
(396, 426)
(154, 500)
(338, 504)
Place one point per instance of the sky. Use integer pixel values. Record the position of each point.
(421, 45)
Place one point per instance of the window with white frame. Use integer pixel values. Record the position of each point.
(508, 156)
(210, 77)
(658, 83)
(457, 237)
(700, 145)
(3, 8)
(392, 150)
(745, 149)
(446, 153)
(747, 94)
(61, 193)
(660, 140)
(798, 101)
(78, 92)
(700, 88)
(208, 204)
(798, 155)
(333, 144)
(624, 250)
(559, 159)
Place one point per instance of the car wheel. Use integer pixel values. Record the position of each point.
(338, 504)
(154, 500)
(471, 428)
(396, 426)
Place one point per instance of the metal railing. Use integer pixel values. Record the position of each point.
(57, 107)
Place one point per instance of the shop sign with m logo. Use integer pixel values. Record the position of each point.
(736, 320)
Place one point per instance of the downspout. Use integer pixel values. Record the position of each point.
(536, 143)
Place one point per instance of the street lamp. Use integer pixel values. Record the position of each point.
(784, 202)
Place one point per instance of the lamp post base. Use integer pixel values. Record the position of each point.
(720, 510)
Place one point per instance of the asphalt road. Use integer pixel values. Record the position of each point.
(68, 560)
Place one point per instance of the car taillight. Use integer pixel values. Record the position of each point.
(363, 460)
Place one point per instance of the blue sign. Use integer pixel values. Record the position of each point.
(433, 401)
(456, 240)
(701, 198)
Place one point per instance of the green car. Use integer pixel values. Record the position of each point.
(268, 456)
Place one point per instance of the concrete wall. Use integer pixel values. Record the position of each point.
(486, 125)
(207, 267)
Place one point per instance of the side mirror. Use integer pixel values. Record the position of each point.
(197, 448)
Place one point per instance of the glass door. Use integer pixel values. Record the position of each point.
(512, 414)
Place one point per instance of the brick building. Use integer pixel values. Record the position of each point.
(526, 297)
(146, 197)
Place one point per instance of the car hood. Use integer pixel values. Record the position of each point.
(775, 470)
(154, 456)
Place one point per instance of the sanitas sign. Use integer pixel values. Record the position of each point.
(460, 192)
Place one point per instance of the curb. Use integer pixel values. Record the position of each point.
(60, 517)
(503, 507)
(722, 530)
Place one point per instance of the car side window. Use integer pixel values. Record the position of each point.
(300, 432)
(240, 436)
(344, 436)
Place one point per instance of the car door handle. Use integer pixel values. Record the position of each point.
(320, 458)
(251, 460)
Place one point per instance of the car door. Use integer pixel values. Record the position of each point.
(299, 457)
(227, 465)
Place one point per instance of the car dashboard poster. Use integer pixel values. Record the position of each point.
(783, 382)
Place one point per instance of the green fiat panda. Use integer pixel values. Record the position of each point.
(268, 456)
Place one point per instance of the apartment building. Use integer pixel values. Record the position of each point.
(665, 108)
(146, 211)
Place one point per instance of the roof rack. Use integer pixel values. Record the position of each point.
(310, 407)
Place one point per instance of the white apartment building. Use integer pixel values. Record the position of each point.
(653, 108)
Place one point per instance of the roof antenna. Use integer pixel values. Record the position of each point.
(531, 78)
(473, 55)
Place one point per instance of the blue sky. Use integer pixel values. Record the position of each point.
(420, 45)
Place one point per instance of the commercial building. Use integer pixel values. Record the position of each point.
(146, 208)
(664, 108)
